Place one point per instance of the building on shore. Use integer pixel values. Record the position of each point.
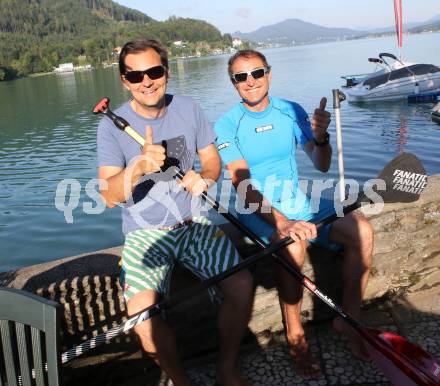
(236, 42)
(69, 68)
(64, 67)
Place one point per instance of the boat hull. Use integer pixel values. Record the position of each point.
(394, 90)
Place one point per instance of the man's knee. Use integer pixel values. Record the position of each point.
(141, 301)
(138, 303)
(365, 237)
(238, 287)
(356, 232)
(362, 241)
(297, 252)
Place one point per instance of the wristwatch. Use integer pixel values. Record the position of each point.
(323, 143)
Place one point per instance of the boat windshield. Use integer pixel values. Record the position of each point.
(416, 69)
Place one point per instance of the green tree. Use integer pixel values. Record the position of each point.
(37, 35)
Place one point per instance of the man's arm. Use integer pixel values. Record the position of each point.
(210, 162)
(320, 155)
(117, 183)
(196, 183)
(297, 230)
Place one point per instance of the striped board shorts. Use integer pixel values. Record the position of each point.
(149, 255)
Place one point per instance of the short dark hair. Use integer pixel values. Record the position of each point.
(245, 54)
(142, 45)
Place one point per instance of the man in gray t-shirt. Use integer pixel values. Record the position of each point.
(158, 201)
(162, 219)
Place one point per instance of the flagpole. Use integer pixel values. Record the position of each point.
(398, 15)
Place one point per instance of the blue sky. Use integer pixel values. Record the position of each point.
(248, 15)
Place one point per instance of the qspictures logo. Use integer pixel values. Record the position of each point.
(409, 182)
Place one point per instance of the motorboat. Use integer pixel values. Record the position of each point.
(435, 113)
(393, 79)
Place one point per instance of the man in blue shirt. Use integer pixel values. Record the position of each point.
(163, 223)
(257, 142)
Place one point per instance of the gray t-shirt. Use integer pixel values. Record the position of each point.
(157, 201)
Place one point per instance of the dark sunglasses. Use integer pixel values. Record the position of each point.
(258, 73)
(152, 72)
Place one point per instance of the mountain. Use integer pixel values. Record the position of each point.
(409, 26)
(296, 31)
(432, 24)
(38, 35)
(46, 17)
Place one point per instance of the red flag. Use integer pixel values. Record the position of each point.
(398, 16)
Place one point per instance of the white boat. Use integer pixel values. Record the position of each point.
(435, 112)
(393, 79)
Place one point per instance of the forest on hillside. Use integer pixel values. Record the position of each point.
(38, 35)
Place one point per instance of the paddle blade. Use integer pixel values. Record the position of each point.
(102, 106)
(405, 179)
(402, 362)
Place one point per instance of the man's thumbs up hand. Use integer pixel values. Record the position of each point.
(153, 156)
(149, 136)
(320, 121)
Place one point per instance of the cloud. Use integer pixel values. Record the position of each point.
(243, 12)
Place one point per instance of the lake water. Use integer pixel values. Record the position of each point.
(47, 134)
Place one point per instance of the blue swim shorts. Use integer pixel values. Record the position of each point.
(264, 230)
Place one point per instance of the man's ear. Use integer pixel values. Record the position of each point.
(125, 83)
(269, 76)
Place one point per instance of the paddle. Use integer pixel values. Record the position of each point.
(405, 179)
(338, 97)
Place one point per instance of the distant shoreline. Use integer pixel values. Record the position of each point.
(173, 59)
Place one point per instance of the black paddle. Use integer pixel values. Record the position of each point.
(404, 177)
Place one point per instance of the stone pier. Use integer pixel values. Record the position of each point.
(402, 294)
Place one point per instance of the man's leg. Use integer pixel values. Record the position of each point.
(233, 319)
(290, 296)
(356, 235)
(208, 252)
(158, 339)
(147, 263)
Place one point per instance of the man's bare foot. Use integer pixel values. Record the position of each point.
(355, 342)
(303, 361)
(229, 376)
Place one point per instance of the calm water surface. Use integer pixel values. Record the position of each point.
(48, 134)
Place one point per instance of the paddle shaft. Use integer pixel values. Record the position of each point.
(337, 98)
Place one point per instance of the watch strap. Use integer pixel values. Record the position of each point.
(323, 143)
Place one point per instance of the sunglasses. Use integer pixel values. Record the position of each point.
(258, 73)
(138, 76)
